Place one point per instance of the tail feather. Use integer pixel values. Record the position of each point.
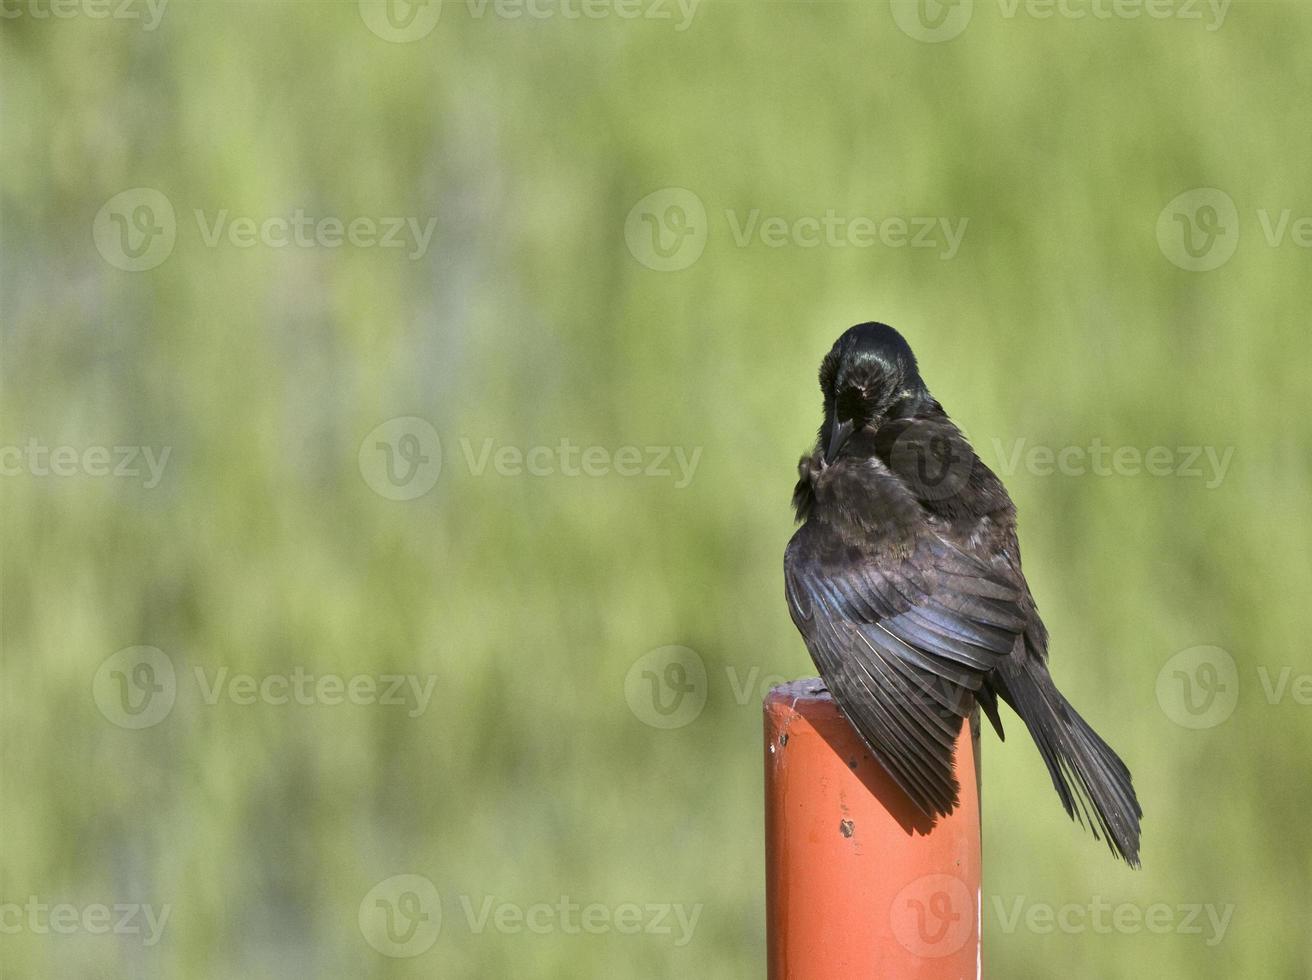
(1094, 784)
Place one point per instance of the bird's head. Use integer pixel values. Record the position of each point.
(866, 377)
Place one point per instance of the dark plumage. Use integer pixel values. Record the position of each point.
(905, 581)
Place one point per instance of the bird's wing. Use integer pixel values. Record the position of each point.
(903, 633)
(935, 465)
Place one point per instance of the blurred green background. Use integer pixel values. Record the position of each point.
(1086, 301)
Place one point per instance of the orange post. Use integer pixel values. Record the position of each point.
(859, 883)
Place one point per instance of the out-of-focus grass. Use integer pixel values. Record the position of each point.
(263, 550)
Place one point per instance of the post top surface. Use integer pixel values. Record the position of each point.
(804, 689)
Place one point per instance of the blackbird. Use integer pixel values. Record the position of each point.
(905, 581)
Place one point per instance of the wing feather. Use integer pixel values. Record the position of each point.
(903, 637)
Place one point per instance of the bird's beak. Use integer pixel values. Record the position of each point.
(839, 435)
